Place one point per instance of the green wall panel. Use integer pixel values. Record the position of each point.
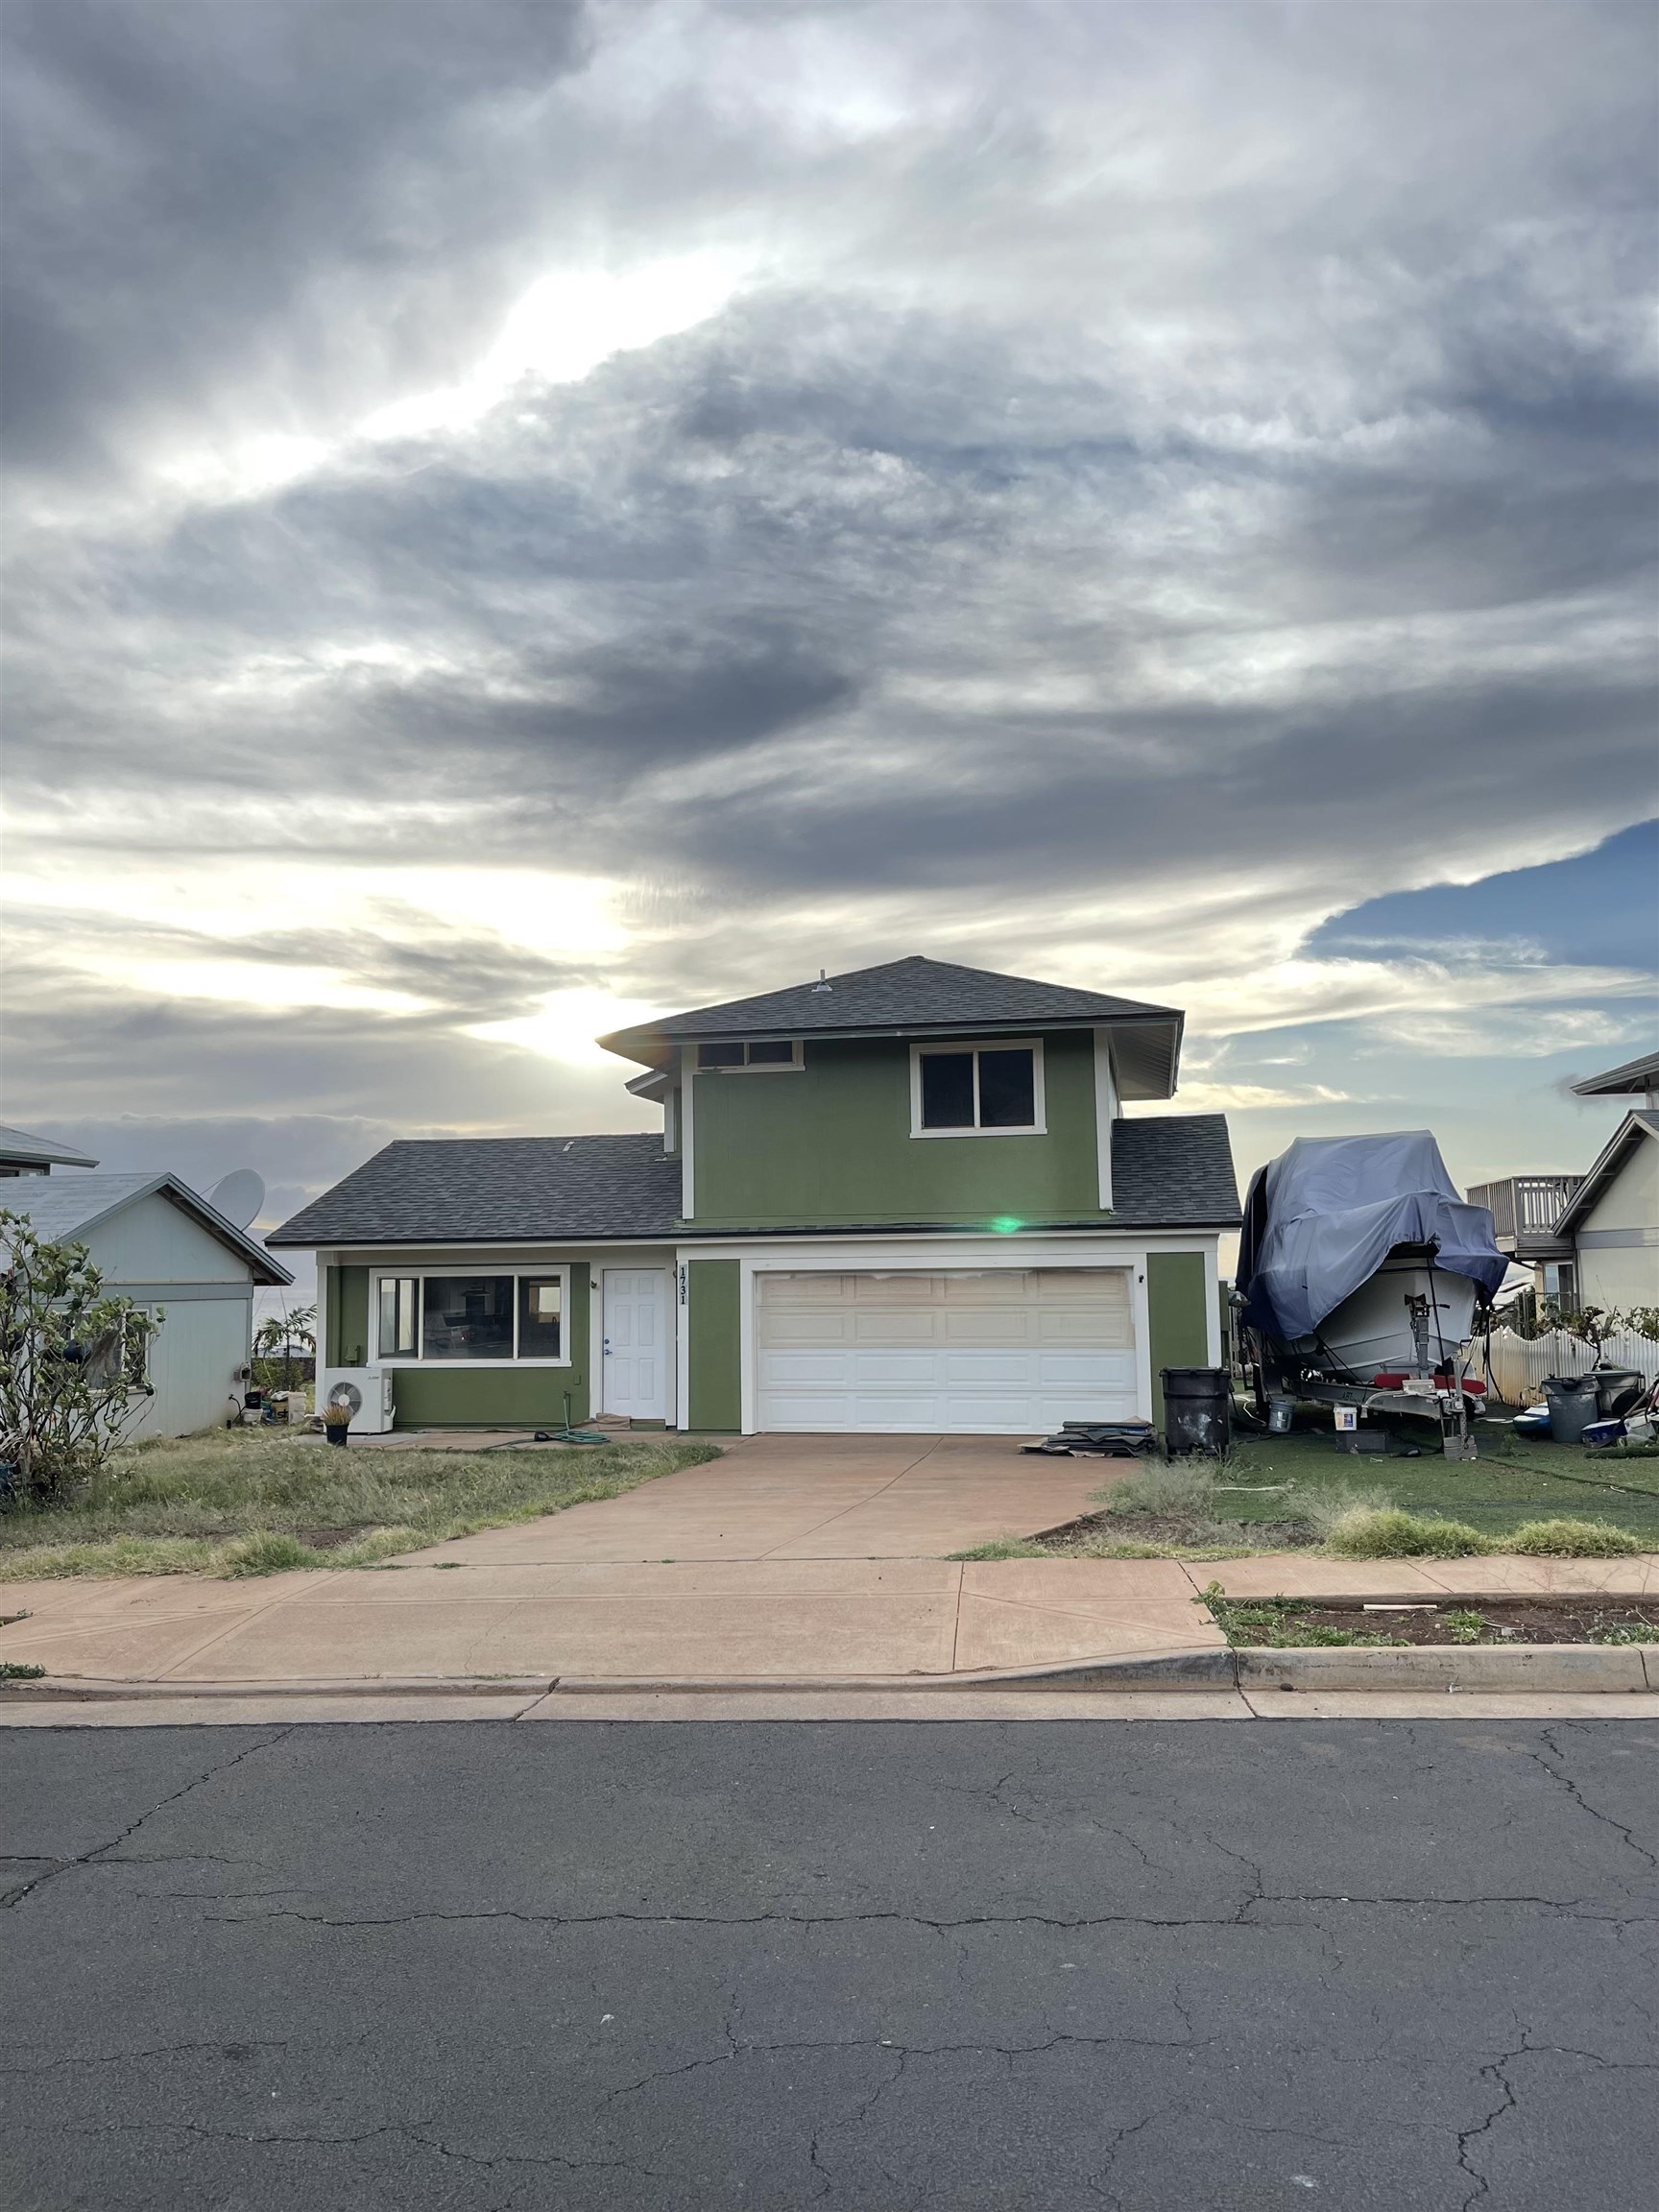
(1177, 1316)
(347, 1317)
(831, 1145)
(439, 1397)
(713, 1292)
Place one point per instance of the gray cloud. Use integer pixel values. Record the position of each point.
(193, 193)
(1208, 464)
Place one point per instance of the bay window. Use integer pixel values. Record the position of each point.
(491, 1319)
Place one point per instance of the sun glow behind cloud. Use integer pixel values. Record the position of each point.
(563, 327)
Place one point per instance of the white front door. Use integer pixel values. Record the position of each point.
(636, 1343)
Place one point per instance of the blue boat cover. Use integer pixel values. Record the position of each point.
(1321, 1219)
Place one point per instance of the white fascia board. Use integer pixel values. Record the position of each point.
(1213, 1301)
(1103, 1247)
(1105, 1114)
(687, 1120)
(1093, 1248)
(480, 1258)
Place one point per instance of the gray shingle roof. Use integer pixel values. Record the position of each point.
(39, 1151)
(496, 1189)
(64, 1208)
(1171, 1171)
(913, 994)
(1175, 1171)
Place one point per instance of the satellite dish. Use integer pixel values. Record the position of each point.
(238, 1196)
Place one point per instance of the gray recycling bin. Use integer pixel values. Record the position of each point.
(1572, 1402)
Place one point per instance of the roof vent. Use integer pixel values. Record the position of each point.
(822, 984)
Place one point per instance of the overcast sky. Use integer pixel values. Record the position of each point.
(521, 516)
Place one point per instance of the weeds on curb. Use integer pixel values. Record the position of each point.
(1276, 1624)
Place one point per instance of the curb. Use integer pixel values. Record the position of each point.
(1612, 1670)
(1519, 1668)
(82, 1688)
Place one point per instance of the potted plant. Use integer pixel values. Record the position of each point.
(336, 1420)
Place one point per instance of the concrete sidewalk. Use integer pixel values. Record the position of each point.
(778, 1620)
(771, 1621)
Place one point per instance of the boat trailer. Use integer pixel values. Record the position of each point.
(1425, 1400)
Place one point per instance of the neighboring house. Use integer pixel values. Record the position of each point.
(22, 1154)
(159, 1244)
(1591, 1239)
(901, 1199)
(1613, 1219)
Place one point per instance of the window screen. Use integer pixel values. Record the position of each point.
(947, 1090)
(1007, 1090)
(719, 1055)
(774, 1052)
(468, 1317)
(540, 1316)
(399, 1310)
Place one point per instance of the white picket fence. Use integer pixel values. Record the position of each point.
(1519, 1363)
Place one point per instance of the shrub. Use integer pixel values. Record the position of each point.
(1389, 1532)
(266, 1551)
(1163, 1486)
(72, 1363)
(1566, 1539)
(1324, 1505)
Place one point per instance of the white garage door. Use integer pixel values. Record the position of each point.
(1006, 1350)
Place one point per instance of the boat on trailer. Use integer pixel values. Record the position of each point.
(1364, 1276)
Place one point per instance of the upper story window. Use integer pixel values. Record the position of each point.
(474, 1317)
(991, 1090)
(765, 1052)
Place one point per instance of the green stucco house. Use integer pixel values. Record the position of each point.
(903, 1199)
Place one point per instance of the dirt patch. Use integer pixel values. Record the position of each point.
(329, 1539)
(1450, 1622)
(1187, 1529)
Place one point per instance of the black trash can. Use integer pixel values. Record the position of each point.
(1197, 1410)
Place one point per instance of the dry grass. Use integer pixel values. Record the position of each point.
(248, 1502)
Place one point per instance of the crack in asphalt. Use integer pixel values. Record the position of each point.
(1240, 1916)
(1467, 2137)
(1096, 2180)
(99, 1852)
(1626, 1835)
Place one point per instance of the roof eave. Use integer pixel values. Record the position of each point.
(1611, 1156)
(654, 1048)
(1629, 1080)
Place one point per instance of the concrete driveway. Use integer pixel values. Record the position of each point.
(813, 1498)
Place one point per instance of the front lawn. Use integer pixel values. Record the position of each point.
(1512, 1482)
(1283, 1492)
(249, 1501)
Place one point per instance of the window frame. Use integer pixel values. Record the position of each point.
(453, 1272)
(792, 1066)
(921, 1049)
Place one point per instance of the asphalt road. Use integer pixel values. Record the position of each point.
(883, 1966)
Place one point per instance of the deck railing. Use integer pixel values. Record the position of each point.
(1524, 1209)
